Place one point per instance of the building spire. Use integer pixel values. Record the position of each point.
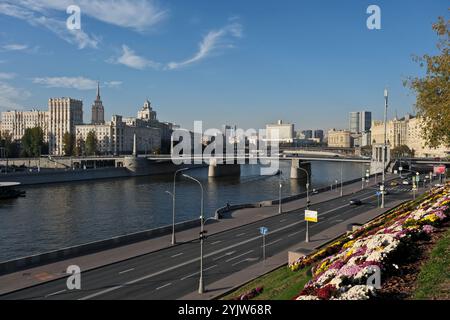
(98, 90)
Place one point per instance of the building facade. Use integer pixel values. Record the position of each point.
(406, 131)
(318, 134)
(281, 132)
(64, 115)
(340, 138)
(14, 123)
(360, 121)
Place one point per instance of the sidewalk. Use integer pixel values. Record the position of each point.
(238, 279)
(37, 275)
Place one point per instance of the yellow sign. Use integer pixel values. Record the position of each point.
(311, 216)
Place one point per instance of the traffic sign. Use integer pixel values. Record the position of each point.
(263, 230)
(311, 216)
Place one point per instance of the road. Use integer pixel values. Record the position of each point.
(174, 272)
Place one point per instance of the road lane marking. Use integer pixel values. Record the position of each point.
(245, 260)
(273, 242)
(295, 233)
(177, 255)
(237, 257)
(241, 234)
(55, 293)
(225, 255)
(216, 242)
(126, 271)
(166, 285)
(196, 273)
(283, 220)
(102, 292)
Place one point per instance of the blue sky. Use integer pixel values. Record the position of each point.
(236, 62)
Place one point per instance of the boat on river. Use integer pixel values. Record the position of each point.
(8, 190)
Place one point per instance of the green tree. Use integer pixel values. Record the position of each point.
(33, 142)
(10, 148)
(91, 143)
(68, 144)
(79, 146)
(402, 151)
(433, 89)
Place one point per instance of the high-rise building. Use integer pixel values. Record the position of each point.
(98, 111)
(318, 134)
(308, 134)
(64, 115)
(365, 121)
(360, 121)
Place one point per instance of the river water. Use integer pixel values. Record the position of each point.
(61, 215)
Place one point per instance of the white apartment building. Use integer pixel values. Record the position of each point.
(281, 132)
(15, 123)
(64, 115)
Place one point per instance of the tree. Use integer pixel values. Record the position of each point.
(78, 150)
(402, 151)
(91, 143)
(33, 142)
(68, 144)
(10, 147)
(433, 90)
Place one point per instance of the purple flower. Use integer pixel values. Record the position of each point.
(428, 229)
(349, 270)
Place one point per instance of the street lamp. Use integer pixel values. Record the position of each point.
(280, 209)
(174, 193)
(342, 183)
(386, 96)
(308, 181)
(201, 287)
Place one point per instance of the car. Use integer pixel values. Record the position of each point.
(394, 183)
(406, 182)
(355, 202)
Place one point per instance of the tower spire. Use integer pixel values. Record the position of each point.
(98, 90)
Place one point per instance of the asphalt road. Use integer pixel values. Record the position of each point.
(174, 272)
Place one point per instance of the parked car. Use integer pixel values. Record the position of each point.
(406, 182)
(394, 183)
(355, 202)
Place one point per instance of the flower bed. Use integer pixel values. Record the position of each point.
(341, 270)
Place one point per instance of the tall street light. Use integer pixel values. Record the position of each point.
(386, 95)
(174, 193)
(201, 287)
(280, 209)
(307, 200)
(342, 183)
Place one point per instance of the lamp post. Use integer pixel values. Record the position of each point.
(280, 208)
(174, 193)
(386, 96)
(201, 287)
(342, 182)
(308, 181)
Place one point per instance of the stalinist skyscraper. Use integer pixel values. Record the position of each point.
(98, 111)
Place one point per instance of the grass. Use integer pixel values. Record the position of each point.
(433, 281)
(280, 284)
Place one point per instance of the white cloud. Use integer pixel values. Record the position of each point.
(78, 83)
(35, 15)
(15, 47)
(139, 15)
(7, 76)
(212, 42)
(130, 59)
(10, 96)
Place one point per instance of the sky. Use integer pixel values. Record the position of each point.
(244, 63)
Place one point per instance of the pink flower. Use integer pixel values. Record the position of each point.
(428, 229)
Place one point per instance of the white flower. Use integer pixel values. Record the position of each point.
(357, 293)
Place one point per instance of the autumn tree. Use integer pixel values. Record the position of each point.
(433, 89)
